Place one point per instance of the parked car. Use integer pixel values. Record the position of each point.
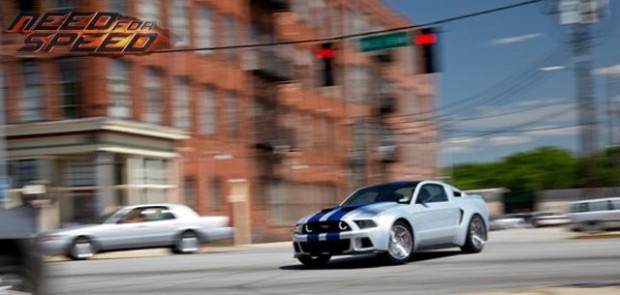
(393, 220)
(595, 215)
(550, 218)
(507, 222)
(134, 227)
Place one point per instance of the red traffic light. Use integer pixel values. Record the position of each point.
(325, 53)
(425, 39)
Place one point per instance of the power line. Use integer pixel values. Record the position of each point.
(348, 36)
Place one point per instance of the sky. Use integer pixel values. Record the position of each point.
(508, 82)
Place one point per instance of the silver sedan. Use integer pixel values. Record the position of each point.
(135, 227)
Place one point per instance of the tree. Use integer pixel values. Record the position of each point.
(523, 174)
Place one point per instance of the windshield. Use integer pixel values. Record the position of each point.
(397, 192)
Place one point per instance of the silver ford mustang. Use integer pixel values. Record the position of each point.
(394, 220)
(140, 226)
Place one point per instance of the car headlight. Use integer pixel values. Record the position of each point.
(49, 238)
(366, 223)
(299, 228)
(343, 226)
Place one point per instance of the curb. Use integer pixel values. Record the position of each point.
(556, 291)
(159, 252)
(608, 235)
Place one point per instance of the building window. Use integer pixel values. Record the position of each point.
(22, 172)
(119, 6)
(204, 29)
(181, 114)
(215, 187)
(357, 84)
(189, 191)
(155, 171)
(207, 110)
(31, 102)
(179, 23)
(229, 36)
(25, 5)
(79, 171)
(153, 96)
(69, 84)
(64, 5)
(149, 11)
(232, 114)
(119, 89)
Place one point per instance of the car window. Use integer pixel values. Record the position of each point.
(133, 216)
(598, 206)
(157, 214)
(432, 193)
(616, 204)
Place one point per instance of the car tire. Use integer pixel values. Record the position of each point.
(476, 235)
(314, 261)
(82, 248)
(400, 244)
(187, 243)
(592, 227)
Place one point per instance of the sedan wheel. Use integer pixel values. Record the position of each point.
(476, 236)
(81, 249)
(188, 243)
(400, 246)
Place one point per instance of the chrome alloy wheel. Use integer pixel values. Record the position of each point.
(188, 243)
(478, 233)
(401, 242)
(82, 249)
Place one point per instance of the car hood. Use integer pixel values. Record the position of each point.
(72, 230)
(364, 211)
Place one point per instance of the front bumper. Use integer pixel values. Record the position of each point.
(53, 247)
(338, 243)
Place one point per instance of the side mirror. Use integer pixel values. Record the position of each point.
(458, 194)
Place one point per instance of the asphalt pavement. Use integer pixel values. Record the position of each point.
(519, 261)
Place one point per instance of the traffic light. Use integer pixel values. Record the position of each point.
(425, 40)
(326, 54)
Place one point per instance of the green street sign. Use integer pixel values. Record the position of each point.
(385, 41)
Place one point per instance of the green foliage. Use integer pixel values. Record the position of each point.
(523, 174)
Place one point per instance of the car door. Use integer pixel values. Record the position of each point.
(125, 233)
(162, 225)
(435, 215)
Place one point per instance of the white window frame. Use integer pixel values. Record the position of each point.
(205, 34)
(149, 11)
(207, 110)
(181, 111)
(119, 89)
(31, 102)
(179, 23)
(153, 98)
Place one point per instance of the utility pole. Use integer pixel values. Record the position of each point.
(4, 184)
(581, 14)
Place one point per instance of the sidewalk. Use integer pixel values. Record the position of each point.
(558, 291)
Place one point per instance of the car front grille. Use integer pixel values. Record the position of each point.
(323, 227)
(331, 247)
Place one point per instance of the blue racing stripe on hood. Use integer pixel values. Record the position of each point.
(317, 217)
(342, 211)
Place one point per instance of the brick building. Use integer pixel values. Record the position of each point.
(247, 132)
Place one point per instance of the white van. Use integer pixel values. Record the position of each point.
(595, 214)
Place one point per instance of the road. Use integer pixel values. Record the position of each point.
(521, 258)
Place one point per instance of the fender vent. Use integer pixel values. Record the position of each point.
(461, 217)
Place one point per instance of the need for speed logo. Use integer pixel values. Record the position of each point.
(94, 33)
